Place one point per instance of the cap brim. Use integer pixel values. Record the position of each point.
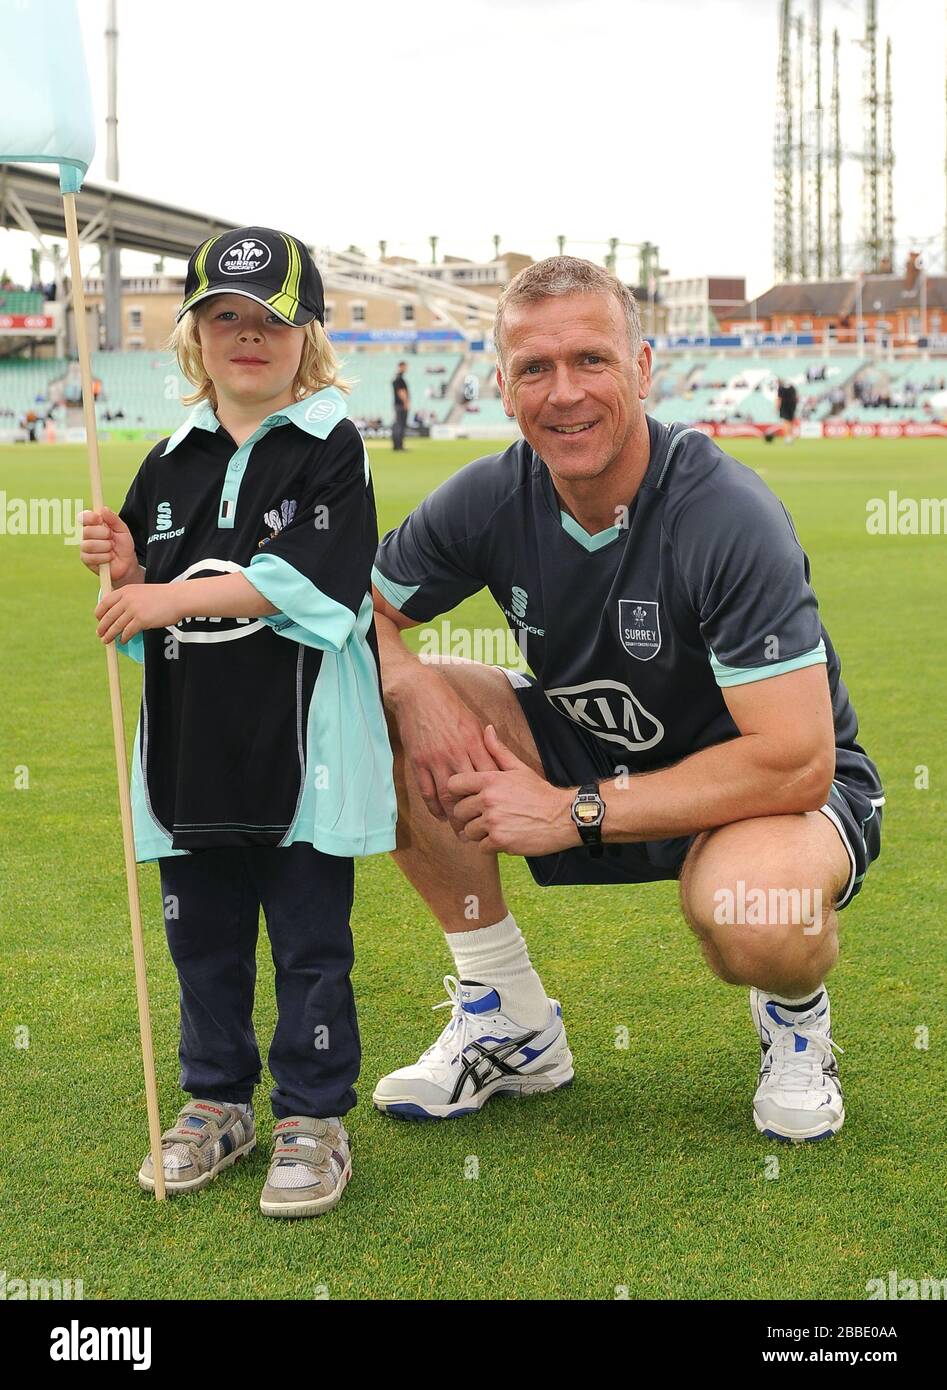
(259, 293)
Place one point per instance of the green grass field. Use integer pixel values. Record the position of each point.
(648, 1172)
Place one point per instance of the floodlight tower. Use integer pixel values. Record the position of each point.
(835, 163)
(816, 138)
(887, 165)
(872, 170)
(802, 147)
(783, 248)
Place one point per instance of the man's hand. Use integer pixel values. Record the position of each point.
(440, 736)
(135, 607)
(513, 810)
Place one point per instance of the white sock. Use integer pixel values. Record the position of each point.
(244, 1106)
(498, 956)
(813, 996)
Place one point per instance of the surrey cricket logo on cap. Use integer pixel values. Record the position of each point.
(274, 268)
(244, 258)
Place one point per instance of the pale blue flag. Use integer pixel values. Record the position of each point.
(45, 102)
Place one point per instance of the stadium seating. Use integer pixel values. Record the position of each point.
(488, 411)
(722, 387)
(146, 386)
(21, 302)
(373, 372)
(21, 381)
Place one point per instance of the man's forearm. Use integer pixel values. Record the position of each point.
(732, 781)
(399, 666)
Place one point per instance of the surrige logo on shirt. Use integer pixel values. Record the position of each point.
(516, 613)
(610, 711)
(639, 627)
(163, 525)
(212, 629)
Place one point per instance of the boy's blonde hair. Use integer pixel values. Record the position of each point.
(318, 365)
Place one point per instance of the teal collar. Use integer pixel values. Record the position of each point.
(579, 533)
(317, 415)
(201, 418)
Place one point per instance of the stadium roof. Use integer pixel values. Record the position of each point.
(103, 209)
(30, 201)
(839, 298)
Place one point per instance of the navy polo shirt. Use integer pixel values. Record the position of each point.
(269, 730)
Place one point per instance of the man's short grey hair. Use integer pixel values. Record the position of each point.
(559, 276)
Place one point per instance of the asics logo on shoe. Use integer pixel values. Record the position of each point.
(487, 1063)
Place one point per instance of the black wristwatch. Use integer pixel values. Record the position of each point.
(588, 812)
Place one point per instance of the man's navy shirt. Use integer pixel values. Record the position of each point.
(632, 633)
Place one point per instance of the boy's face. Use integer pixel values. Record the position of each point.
(249, 353)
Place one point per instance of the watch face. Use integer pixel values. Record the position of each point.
(587, 812)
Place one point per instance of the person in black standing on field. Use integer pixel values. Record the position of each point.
(402, 401)
(788, 399)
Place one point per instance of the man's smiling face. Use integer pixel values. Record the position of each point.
(571, 379)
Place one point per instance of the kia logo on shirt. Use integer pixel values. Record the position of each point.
(610, 711)
(212, 629)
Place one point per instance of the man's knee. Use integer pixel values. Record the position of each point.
(488, 695)
(757, 898)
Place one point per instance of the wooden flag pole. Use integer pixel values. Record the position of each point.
(115, 693)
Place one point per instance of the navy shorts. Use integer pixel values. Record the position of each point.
(570, 756)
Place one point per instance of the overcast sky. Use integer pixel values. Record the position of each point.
(641, 119)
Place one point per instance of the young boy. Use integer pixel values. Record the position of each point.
(241, 565)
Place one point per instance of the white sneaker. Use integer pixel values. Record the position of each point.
(799, 1097)
(481, 1053)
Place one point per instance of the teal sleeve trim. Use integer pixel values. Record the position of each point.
(306, 614)
(396, 594)
(135, 649)
(738, 675)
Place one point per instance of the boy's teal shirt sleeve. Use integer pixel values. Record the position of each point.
(306, 614)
